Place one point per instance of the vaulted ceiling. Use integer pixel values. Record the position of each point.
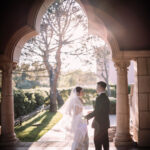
(128, 20)
(132, 21)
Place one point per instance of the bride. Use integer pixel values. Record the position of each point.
(73, 123)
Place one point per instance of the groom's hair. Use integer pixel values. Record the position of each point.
(102, 84)
(78, 89)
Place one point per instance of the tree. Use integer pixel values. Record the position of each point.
(102, 63)
(58, 28)
(98, 52)
(24, 79)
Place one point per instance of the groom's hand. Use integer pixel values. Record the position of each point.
(86, 117)
(90, 115)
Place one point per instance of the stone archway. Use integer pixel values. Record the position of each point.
(13, 49)
(32, 28)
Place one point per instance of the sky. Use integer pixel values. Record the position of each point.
(71, 62)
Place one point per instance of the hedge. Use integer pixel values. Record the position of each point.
(90, 95)
(26, 101)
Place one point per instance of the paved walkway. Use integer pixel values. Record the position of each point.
(58, 146)
(55, 140)
(56, 131)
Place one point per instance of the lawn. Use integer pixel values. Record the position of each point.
(37, 126)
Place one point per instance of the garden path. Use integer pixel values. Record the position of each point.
(55, 134)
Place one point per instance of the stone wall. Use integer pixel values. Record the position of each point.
(134, 111)
(142, 102)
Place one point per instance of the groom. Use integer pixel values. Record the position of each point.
(101, 121)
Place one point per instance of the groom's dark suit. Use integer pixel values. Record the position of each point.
(101, 122)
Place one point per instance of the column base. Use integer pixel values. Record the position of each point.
(123, 140)
(8, 140)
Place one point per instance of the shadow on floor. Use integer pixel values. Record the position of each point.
(56, 145)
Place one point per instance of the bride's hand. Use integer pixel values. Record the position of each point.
(87, 122)
(89, 112)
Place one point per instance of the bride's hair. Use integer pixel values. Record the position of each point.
(78, 89)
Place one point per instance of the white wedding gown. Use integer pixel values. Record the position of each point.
(73, 123)
(79, 125)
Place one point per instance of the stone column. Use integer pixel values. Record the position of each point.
(7, 106)
(122, 136)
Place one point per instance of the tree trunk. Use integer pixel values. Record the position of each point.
(53, 95)
(59, 99)
(53, 77)
(53, 105)
(56, 72)
(55, 98)
(52, 83)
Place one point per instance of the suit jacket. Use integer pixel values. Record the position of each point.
(101, 111)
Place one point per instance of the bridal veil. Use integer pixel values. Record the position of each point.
(74, 126)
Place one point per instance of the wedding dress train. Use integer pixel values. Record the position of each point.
(73, 123)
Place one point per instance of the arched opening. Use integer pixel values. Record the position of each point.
(26, 33)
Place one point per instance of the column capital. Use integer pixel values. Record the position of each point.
(8, 67)
(122, 66)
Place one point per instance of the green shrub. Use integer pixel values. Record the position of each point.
(112, 108)
(90, 96)
(31, 103)
(113, 92)
(113, 86)
(19, 103)
(129, 88)
(39, 98)
(26, 101)
(65, 93)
